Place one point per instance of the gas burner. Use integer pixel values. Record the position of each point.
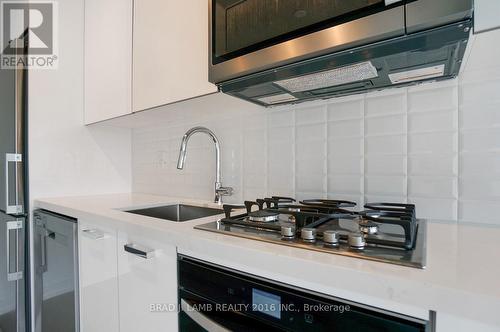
(368, 227)
(263, 216)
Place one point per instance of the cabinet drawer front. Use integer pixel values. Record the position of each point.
(147, 275)
(98, 278)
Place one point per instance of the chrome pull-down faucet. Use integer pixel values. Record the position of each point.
(219, 189)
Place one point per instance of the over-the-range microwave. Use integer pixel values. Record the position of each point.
(274, 52)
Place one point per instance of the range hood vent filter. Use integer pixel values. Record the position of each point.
(334, 77)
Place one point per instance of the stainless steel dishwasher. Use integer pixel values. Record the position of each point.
(55, 249)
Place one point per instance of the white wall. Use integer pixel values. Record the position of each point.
(436, 145)
(67, 158)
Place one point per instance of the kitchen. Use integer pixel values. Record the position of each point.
(103, 135)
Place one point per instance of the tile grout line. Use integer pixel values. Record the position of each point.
(326, 165)
(458, 153)
(294, 142)
(363, 152)
(266, 144)
(407, 177)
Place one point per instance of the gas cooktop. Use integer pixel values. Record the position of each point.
(384, 232)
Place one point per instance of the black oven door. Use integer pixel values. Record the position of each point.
(197, 314)
(242, 26)
(212, 298)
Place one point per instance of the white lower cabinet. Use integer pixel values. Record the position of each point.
(147, 278)
(98, 278)
(128, 283)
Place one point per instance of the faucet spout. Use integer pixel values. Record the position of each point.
(219, 190)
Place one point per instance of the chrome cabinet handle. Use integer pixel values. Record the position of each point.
(11, 158)
(94, 234)
(390, 2)
(201, 319)
(139, 250)
(15, 225)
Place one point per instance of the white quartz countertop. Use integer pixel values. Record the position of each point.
(461, 278)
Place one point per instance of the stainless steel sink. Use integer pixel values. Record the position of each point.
(177, 212)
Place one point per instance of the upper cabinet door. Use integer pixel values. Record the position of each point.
(108, 59)
(170, 52)
(486, 15)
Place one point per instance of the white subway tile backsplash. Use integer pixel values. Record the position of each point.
(432, 121)
(384, 145)
(436, 145)
(487, 139)
(483, 91)
(435, 208)
(280, 119)
(432, 186)
(349, 184)
(430, 97)
(480, 187)
(479, 164)
(307, 133)
(345, 165)
(481, 212)
(433, 164)
(345, 128)
(479, 116)
(346, 108)
(311, 182)
(385, 185)
(344, 147)
(307, 166)
(310, 115)
(395, 124)
(254, 181)
(280, 134)
(385, 102)
(385, 165)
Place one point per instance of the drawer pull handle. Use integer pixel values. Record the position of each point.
(139, 250)
(94, 234)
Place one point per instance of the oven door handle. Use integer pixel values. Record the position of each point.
(201, 319)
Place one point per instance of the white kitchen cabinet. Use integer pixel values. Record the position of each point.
(486, 15)
(98, 278)
(108, 59)
(146, 284)
(141, 54)
(170, 52)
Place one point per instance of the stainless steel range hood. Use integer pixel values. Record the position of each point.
(400, 44)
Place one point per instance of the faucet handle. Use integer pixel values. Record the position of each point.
(224, 191)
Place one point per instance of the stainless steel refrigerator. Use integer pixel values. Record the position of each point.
(13, 199)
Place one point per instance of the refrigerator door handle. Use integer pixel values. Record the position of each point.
(12, 158)
(16, 226)
(43, 244)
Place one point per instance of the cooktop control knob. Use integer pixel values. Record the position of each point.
(331, 238)
(287, 232)
(308, 234)
(356, 241)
